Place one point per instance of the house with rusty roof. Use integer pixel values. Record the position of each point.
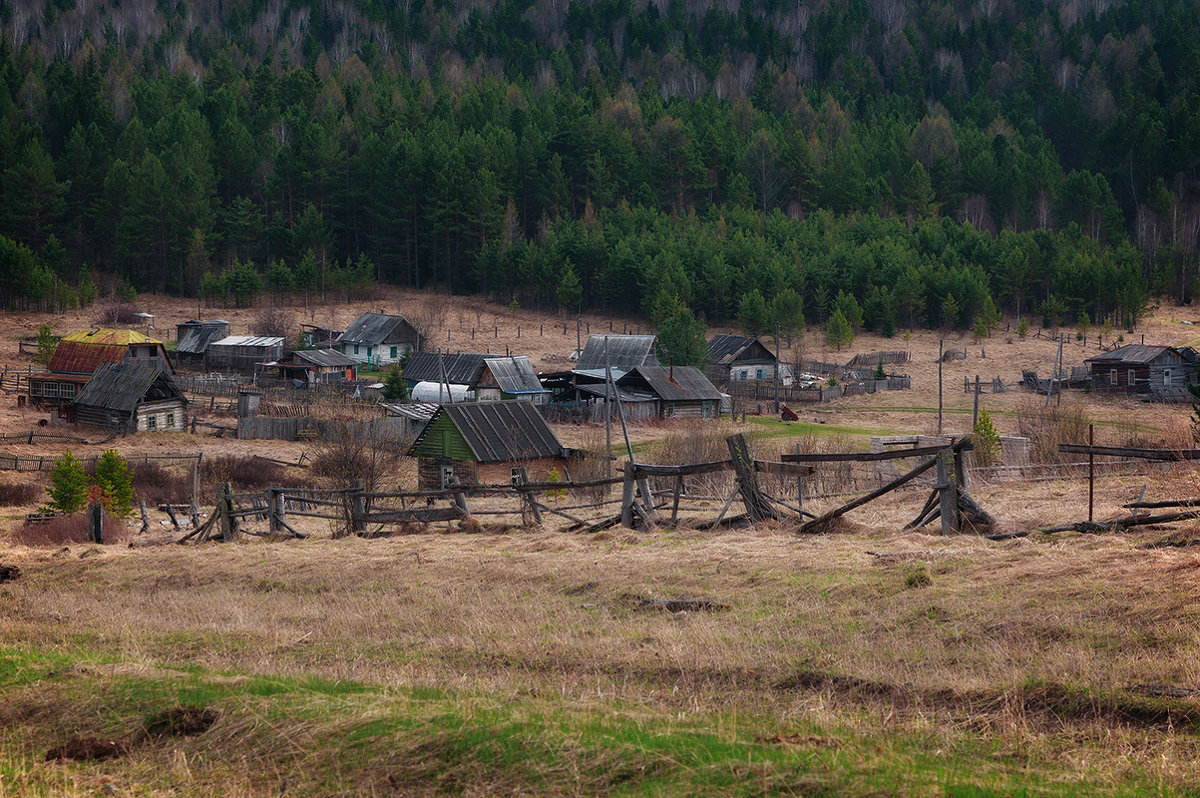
(131, 397)
(77, 356)
(486, 443)
(1154, 372)
(379, 339)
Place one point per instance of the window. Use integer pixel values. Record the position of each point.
(1132, 377)
(670, 410)
(1166, 376)
(1112, 377)
(393, 354)
(447, 476)
(356, 349)
(514, 476)
(66, 389)
(368, 351)
(758, 374)
(170, 420)
(744, 373)
(151, 422)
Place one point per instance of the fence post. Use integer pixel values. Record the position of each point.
(743, 465)
(627, 497)
(527, 497)
(96, 522)
(229, 524)
(947, 491)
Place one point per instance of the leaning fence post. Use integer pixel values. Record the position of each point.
(757, 507)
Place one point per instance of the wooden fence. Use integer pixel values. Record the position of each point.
(762, 391)
(13, 462)
(308, 427)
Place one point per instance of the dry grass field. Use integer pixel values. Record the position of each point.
(866, 661)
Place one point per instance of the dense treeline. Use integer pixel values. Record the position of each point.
(929, 163)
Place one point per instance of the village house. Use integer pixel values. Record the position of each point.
(472, 375)
(738, 358)
(312, 366)
(193, 337)
(620, 352)
(131, 397)
(679, 391)
(78, 356)
(1155, 372)
(378, 339)
(486, 443)
(244, 353)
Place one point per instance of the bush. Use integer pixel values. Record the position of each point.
(68, 529)
(156, 485)
(1047, 427)
(18, 494)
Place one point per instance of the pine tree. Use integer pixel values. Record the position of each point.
(987, 440)
(682, 338)
(838, 332)
(114, 478)
(68, 489)
(46, 344)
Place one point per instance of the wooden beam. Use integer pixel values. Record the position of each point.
(870, 457)
(813, 527)
(1136, 454)
(757, 507)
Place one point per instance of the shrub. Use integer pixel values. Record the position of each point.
(68, 529)
(156, 485)
(917, 575)
(1023, 327)
(1047, 427)
(18, 494)
(987, 440)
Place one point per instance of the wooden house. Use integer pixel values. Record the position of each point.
(131, 397)
(737, 358)
(458, 369)
(378, 339)
(505, 378)
(680, 391)
(1155, 372)
(310, 366)
(486, 443)
(193, 337)
(78, 356)
(472, 375)
(244, 353)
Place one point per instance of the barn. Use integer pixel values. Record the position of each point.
(193, 338)
(486, 443)
(1155, 372)
(131, 397)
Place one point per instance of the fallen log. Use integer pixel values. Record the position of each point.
(1121, 524)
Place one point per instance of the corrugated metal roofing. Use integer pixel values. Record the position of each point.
(462, 368)
(415, 411)
(73, 357)
(515, 374)
(198, 335)
(727, 348)
(107, 336)
(499, 432)
(687, 383)
(373, 328)
(323, 357)
(249, 340)
(1131, 353)
(122, 386)
(624, 351)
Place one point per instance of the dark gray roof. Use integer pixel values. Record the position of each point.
(624, 352)
(376, 328)
(199, 334)
(1132, 353)
(682, 384)
(322, 357)
(727, 348)
(462, 368)
(122, 386)
(514, 374)
(499, 432)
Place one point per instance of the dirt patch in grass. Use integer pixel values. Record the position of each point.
(86, 748)
(181, 721)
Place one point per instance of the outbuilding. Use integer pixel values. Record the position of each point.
(193, 338)
(131, 397)
(312, 366)
(244, 352)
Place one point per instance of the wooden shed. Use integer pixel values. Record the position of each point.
(681, 391)
(621, 352)
(131, 397)
(193, 338)
(318, 366)
(244, 352)
(486, 443)
(1157, 372)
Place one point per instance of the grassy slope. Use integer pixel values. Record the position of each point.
(521, 664)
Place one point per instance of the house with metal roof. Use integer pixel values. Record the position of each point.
(478, 376)
(77, 356)
(379, 339)
(311, 366)
(486, 443)
(131, 397)
(620, 352)
(457, 368)
(193, 338)
(1156, 372)
(512, 377)
(680, 391)
(244, 353)
(736, 358)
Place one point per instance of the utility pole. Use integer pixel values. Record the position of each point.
(940, 345)
(776, 368)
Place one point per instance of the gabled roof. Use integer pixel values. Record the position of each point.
(727, 348)
(1132, 354)
(414, 411)
(514, 374)
(373, 328)
(199, 334)
(624, 352)
(462, 368)
(499, 432)
(109, 337)
(122, 386)
(681, 384)
(73, 357)
(330, 358)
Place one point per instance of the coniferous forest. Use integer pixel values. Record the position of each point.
(907, 162)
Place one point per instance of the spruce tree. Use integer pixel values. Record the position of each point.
(114, 477)
(838, 332)
(394, 387)
(68, 489)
